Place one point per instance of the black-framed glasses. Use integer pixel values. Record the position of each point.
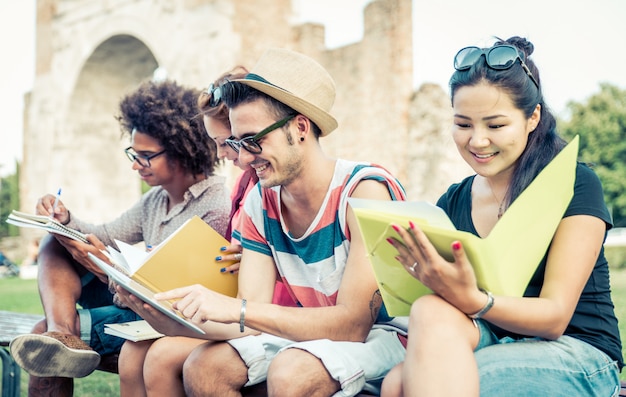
(141, 159)
(215, 94)
(499, 57)
(251, 143)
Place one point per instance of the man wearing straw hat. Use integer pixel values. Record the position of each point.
(297, 227)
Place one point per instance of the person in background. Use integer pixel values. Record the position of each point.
(296, 227)
(561, 338)
(172, 153)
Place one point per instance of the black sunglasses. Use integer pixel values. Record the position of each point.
(251, 143)
(143, 160)
(215, 94)
(499, 57)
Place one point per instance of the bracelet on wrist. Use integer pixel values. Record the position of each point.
(485, 309)
(242, 315)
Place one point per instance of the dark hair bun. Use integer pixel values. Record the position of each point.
(520, 43)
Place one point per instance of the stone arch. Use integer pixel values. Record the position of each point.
(89, 147)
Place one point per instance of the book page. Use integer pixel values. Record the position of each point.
(143, 293)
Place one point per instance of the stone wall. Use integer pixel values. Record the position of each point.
(89, 53)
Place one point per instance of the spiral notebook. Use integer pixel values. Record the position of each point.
(45, 223)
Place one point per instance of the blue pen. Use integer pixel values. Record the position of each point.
(54, 205)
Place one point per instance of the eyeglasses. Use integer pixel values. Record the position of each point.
(251, 143)
(499, 57)
(143, 160)
(215, 93)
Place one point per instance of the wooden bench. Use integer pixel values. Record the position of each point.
(13, 324)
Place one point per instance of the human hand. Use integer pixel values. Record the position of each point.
(45, 207)
(79, 251)
(454, 281)
(231, 256)
(200, 304)
(154, 317)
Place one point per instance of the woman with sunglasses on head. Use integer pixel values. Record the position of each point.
(561, 338)
(171, 153)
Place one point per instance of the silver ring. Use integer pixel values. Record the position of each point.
(237, 257)
(413, 266)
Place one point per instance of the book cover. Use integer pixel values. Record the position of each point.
(143, 293)
(133, 330)
(186, 257)
(44, 223)
(504, 261)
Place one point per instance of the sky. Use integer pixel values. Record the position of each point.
(578, 45)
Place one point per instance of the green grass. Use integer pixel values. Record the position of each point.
(21, 295)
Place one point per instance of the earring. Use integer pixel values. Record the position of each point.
(301, 139)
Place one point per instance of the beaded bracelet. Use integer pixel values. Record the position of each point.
(242, 315)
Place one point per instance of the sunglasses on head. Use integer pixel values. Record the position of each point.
(251, 143)
(499, 57)
(215, 94)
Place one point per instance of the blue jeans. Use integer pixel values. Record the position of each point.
(98, 309)
(540, 367)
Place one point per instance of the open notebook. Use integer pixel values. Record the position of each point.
(504, 261)
(45, 223)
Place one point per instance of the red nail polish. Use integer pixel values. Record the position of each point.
(456, 245)
(390, 240)
(396, 228)
(412, 224)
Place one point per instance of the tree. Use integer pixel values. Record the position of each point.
(9, 200)
(601, 124)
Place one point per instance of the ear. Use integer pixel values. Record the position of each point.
(534, 119)
(303, 124)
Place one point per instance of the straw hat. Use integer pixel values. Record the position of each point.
(297, 81)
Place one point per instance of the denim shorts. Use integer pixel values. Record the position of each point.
(540, 367)
(98, 309)
(92, 327)
(356, 366)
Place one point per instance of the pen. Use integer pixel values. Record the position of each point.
(54, 205)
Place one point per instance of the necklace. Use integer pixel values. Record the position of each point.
(498, 201)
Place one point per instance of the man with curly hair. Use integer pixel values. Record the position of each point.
(173, 154)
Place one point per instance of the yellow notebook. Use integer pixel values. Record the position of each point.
(504, 261)
(186, 257)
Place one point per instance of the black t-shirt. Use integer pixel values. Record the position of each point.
(594, 319)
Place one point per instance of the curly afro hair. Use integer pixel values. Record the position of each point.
(167, 112)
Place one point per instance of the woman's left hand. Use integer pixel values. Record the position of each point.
(230, 254)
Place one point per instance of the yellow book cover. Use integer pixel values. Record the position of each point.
(504, 261)
(186, 257)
